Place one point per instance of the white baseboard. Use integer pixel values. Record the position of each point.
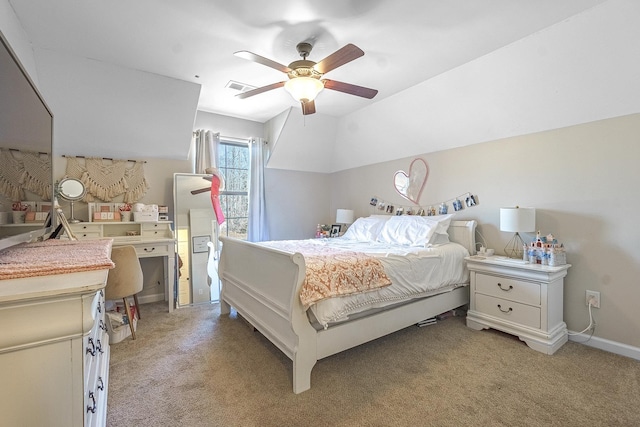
(607, 345)
(144, 299)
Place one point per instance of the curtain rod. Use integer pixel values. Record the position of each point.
(108, 158)
(230, 138)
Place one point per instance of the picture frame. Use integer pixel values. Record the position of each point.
(335, 230)
(200, 244)
(62, 220)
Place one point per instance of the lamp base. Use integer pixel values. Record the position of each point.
(514, 247)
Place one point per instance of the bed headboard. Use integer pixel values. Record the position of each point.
(464, 233)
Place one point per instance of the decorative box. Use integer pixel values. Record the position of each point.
(145, 216)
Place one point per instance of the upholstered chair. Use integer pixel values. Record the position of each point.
(125, 280)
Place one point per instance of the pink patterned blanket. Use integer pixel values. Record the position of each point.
(54, 257)
(333, 272)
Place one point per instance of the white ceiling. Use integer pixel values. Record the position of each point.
(406, 42)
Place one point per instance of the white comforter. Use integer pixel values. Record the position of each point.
(414, 272)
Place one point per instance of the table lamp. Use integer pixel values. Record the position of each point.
(517, 220)
(344, 216)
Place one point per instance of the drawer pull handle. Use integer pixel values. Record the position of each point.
(504, 311)
(100, 384)
(505, 289)
(149, 250)
(93, 408)
(92, 350)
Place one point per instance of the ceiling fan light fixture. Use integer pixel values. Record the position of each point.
(304, 88)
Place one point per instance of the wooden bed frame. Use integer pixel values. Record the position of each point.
(263, 285)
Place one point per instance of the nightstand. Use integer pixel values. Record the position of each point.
(521, 299)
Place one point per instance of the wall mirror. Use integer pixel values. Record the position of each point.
(410, 185)
(71, 190)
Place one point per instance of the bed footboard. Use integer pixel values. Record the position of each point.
(263, 285)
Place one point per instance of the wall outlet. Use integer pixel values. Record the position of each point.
(596, 298)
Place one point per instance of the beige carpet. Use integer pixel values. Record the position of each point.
(195, 368)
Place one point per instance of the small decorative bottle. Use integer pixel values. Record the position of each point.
(318, 232)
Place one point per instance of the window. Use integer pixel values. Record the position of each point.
(233, 162)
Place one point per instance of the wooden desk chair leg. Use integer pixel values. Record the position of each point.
(135, 298)
(128, 310)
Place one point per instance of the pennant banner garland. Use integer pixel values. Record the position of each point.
(456, 204)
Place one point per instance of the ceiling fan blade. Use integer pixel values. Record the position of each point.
(338, 58)
(259, 90)
(364, 92)
(262, 60)
(308, 107)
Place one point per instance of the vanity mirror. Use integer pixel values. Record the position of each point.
(71, 190)
(410, 185)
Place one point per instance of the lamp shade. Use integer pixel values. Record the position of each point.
(304, 88)
(344, 216)
(517, 219)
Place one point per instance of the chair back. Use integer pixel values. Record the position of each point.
(125, 279)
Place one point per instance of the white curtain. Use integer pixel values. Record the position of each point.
(206, 148)
(206, 145)
(257, 229)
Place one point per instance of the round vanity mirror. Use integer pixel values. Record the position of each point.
(71, 189)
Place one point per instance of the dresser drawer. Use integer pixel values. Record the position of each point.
(508, 310)
(509, 289)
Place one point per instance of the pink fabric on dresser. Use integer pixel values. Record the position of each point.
(54, 257)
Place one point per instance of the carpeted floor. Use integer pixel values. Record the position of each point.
(195, 368)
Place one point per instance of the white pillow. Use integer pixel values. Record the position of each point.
(408, 230)
(366, 229)
(443, 223)
(439, 239)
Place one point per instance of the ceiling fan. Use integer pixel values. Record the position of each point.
(305, 77)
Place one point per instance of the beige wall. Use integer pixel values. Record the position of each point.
(159, 175)
(583, 182)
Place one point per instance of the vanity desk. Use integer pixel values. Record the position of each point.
(54, 347)
(151, 240)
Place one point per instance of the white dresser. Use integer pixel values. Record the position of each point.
(525, 300)
(54, 350)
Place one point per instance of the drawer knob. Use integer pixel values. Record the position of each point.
(149, 250)
(504, 311)
(505, 289)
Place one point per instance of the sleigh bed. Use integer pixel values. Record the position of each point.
(263, 284)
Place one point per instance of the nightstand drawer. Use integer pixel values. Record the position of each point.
(510, 289)
(508, 310)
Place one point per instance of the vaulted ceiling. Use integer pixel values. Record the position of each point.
(405, 41)
(449, 73)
